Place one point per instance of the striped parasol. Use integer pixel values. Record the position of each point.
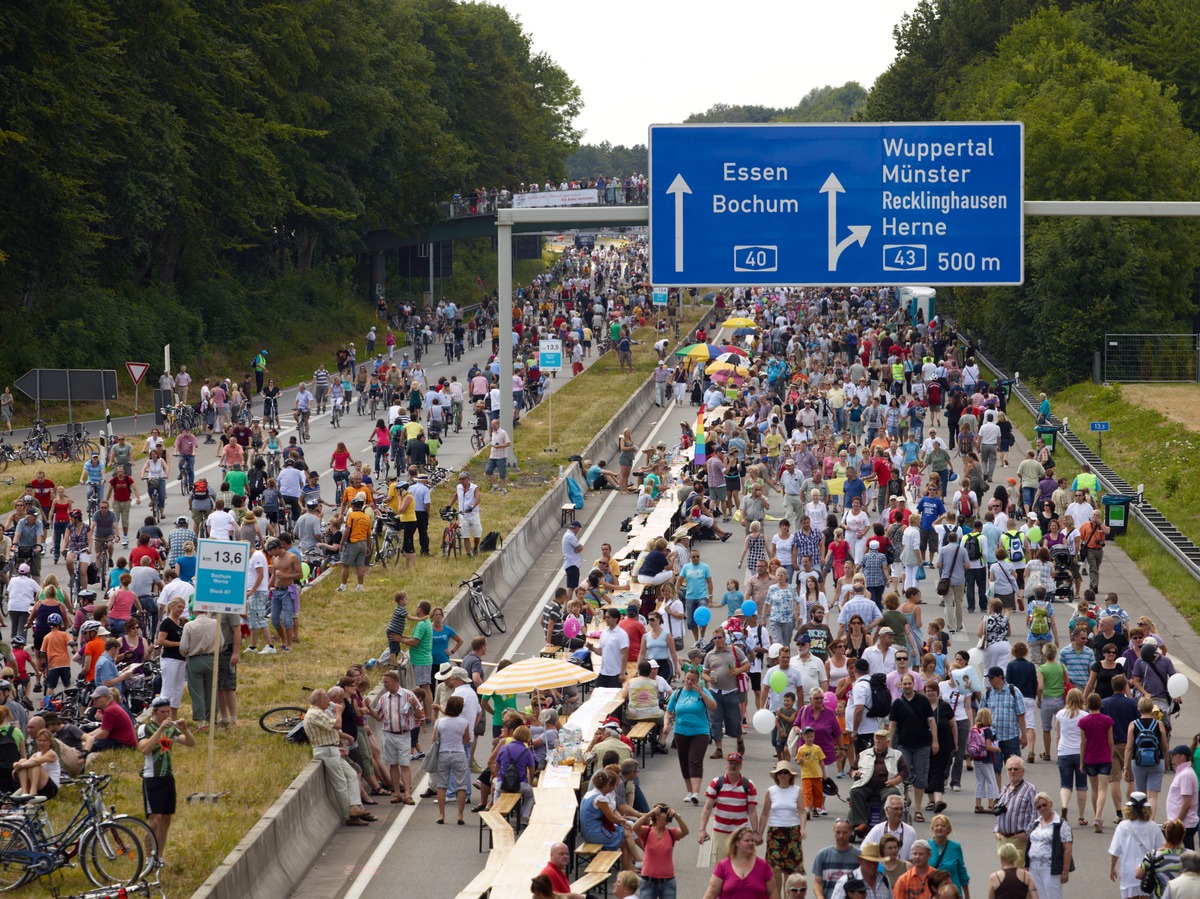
(535, 674)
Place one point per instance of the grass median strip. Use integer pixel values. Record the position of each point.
(338, 629)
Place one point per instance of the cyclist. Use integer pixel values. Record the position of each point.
(93, 476)
(448, 344)
(177, 538)
(457, 398)
(321, 384)
(273, 450)
(337, 399)
(120, 488)
(270, 395)
(155, 474)
(459, 334)
(257, 439)
(78, 545)
(185, 451)
(200, 503)
(302, 408)
(104, 532)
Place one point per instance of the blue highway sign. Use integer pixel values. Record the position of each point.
(837, 204)
(1100, 426)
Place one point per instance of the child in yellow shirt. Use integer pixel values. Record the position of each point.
(812, 771)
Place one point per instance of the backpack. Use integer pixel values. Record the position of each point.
(1146, 749)
(881, 697)
(200, 489)
(974, 553)
(949, 536)
(976, 744)
(1015, 546)
(510, 780)
(721, 781)
(964, 503)
(10, 752)
(490, 542)
(1040, 624)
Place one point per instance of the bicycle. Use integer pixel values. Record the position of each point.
(301, 418)
(456, 412)
(109, 852)
(477, 439)
(452, 541)
(387, 540)
(484, 610)
(272, 465)
(186, 477)
(335, 415)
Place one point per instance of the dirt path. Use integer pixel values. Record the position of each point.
(1178, 402)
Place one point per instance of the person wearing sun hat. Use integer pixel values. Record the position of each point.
(783, 826)
(867, 881)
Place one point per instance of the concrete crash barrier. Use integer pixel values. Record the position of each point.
(274, 854)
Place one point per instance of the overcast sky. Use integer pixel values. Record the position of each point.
(640, 62)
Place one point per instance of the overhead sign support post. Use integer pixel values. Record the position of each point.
(845, 204)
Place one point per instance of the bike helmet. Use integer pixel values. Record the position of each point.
(313, 503)
(18, 640)
(77, 513)
(181, 521)
(54, 619)
(90, 625)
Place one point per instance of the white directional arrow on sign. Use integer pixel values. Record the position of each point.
(858, 233)
(679, 187)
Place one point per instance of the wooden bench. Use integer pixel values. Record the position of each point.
(549, 651)
(500, 832)
(587, 852)
(639, 735)
(503, 844)
(590, 881)
(599, 870)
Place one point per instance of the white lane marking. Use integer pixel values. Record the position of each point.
(397, 827)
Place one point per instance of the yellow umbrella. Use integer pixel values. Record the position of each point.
(739, 322)
(715, 367)
(535, 674)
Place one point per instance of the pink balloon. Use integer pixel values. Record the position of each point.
(830, 700)
(571, 628)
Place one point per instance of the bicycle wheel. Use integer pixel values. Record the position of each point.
(281, 719)
(111, 855)
(16, 852)
(476, 441)
(3, 462)
(479, 615)
(494, 613)
(447, 540)
(146, 838)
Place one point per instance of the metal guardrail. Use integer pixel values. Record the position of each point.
(1169, 537)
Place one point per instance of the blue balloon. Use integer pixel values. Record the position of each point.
(749, 607)
(702, 616)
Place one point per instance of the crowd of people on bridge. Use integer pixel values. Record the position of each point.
(611, 189)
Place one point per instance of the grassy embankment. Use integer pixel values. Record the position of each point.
(252, 767)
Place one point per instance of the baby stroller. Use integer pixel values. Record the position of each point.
(1064, 580)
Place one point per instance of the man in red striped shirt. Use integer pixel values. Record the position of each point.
(731, 802)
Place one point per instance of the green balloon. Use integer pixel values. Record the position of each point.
(779, 681)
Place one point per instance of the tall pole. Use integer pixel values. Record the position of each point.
(431, 303)
(504, 348)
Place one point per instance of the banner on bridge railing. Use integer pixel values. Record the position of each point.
(551, 198)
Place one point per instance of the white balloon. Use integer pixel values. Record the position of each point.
(763, 721)
(1177, 685)
(975, 656)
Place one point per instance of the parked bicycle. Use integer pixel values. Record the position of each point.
(484, 610)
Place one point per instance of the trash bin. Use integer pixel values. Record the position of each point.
(1049, 434)
(1116, 513)
(1006, 384)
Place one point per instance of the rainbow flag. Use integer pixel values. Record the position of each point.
(700, 456)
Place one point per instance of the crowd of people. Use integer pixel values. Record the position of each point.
(827, 644)
(611, 189)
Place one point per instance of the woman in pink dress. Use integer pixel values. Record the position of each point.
(742, 875)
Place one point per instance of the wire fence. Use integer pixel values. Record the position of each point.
(1132, 358)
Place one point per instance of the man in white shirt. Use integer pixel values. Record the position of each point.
(1081, 509)
(882, 656)
(614, 651)
(858, 704)
(989, 444)
(220, 522)
(813, 675)
(177, 588)
(468, 504)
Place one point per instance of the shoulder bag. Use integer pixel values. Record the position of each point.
(943, 584)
